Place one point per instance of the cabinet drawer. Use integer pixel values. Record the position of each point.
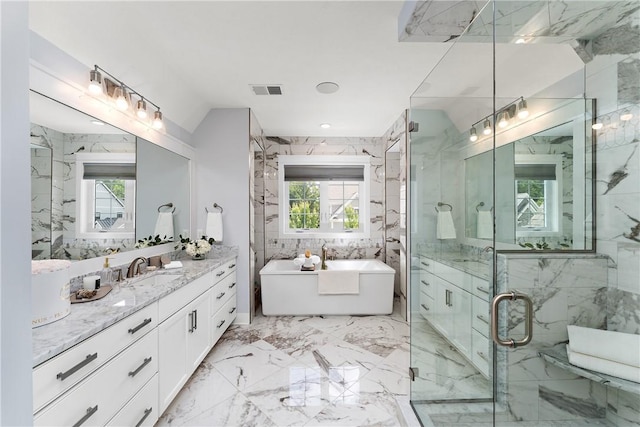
(481, 352)
(222, 291)
(183, 296)
(481, 288)
(427, 283)
(142, 410)
(221, 320)
(427, 305)
(480, 320)
(96, 399)
(426, 264)
(55, 376)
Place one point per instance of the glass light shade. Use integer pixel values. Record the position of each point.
(503, 119)
(120, 94)
(626, 116)
(157, 120)
(141, 109)
(473, 136)
(486, 127)
(95, 82)
(523, 111)
(597, 125)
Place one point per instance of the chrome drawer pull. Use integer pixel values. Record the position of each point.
(144, 323)
(232, 310)
(481, 318)
(220, 295)
(220, 324)
(90, 412)
(139, 368)
(144, 417)
(232, 285)
(64, 375)
(191, 329)
(425, 307)
(220, 274)
(483, 290)
(231, 266)
(482, 355)
(425, 283)
(195, 319)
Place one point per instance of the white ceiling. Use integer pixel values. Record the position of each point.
(189, 57)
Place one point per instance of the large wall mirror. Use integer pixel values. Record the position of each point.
(544, 186)
(97, 188)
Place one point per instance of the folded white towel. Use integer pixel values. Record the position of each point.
(302, 260)
(484, 225)
(172, 265)
(610, 345)
(619, 370)
(214, 226)
(338, 282)
(164, 226)
(445, 228)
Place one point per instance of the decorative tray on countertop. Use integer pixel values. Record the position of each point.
(101, 293)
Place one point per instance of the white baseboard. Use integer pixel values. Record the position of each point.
(242, 319)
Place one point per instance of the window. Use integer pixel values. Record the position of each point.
(538, 184)
(105, 204)
(324, 196)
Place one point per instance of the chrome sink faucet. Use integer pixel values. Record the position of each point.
(323, 266)
(134, 268)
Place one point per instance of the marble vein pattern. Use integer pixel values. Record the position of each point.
(300, 371)
(87, 319)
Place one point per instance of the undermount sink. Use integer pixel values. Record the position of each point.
(158, 279)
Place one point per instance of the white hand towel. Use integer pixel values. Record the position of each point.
(610, 345)
(172, 265)
(214, 226)
(445, 228)
(619, 370)
(164, 226)
(484, 225)
(338, 282)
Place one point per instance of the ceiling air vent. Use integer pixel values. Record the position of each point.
(267, 89)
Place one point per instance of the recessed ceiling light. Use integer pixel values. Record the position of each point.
(325, 125)
(520, 41)
(97, 122)
(327, 87)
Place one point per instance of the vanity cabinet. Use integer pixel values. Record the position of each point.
(456, 304)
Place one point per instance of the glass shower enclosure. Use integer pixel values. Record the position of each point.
(504, 134)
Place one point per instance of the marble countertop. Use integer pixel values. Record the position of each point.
(89, 318)
(479, 268)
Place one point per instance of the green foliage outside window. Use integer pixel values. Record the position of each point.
(304, 205)
(352, 218)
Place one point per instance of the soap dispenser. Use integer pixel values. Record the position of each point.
(106, 275)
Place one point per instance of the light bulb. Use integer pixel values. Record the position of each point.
(487, 127)
(503, 119)
(121, 98)
(95, 82)
(157, 120)
(626, 116)
(141, 109)
(597, 125)
(523, 111)
(473, 136)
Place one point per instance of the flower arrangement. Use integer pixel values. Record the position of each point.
(151, 241)
(196, 249)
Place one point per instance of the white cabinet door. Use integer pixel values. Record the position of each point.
(460, 307)
(173, 367)
(198, 342)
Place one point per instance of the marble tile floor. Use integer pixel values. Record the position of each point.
(301, 371)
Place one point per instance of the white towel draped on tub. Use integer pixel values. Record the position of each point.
(214, 226)
(617, 347)
(604, 366)
(164, 226)
(334, 282)
(484, 225)
(445, 228)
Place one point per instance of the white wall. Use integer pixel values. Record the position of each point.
(222, 176)
(15, 269)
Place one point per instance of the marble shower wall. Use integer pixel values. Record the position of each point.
(256, 202)
(566, 289)
(343, 248)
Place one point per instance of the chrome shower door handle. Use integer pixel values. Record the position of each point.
(528, 314)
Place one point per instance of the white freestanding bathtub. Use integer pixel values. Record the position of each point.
(288, 291)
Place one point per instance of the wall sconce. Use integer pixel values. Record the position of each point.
(486, 127)
(517, 108)
(473, 136)
(119, 94)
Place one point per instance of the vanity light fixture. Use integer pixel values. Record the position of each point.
(473, 136)
(503, 119)
(523, 111)
(486, 127)
(626, 116)
(118, 93)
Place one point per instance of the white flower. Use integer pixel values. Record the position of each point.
(198, 247)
